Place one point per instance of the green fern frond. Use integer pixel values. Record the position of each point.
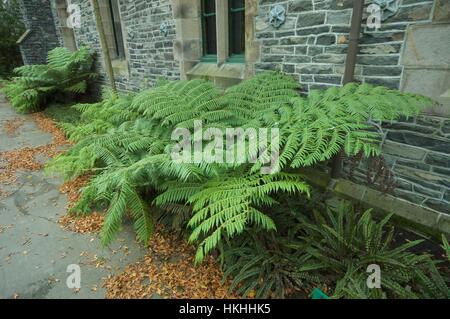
(126, 142)
(36, 85)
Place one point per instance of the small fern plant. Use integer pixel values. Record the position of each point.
(35, 85)
(263, 264)
(342, 243)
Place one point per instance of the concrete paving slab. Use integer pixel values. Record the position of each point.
(27, 135)
(35, 251)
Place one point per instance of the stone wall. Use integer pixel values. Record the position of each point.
(38, 18)
(149, 52)
(418, 153)
(312, 43)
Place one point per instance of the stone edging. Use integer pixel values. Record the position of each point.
(430, 221)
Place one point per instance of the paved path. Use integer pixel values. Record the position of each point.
(34, 251)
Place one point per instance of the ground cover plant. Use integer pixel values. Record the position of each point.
(330, 244)
(66, 74)
(343, 242)
(62, 113)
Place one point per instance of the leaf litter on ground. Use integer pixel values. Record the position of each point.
(167, 271)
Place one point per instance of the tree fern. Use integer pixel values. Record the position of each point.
(225, 206)
(126, 141)
(35, 85)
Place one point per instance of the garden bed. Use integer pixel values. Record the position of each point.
(270, 231)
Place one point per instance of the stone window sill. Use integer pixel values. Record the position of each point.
(235, 71)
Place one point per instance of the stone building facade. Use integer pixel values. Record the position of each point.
(307, 39)
(40, 36)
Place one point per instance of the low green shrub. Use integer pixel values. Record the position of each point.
(265, 263)
(65, 74)
(63, 114)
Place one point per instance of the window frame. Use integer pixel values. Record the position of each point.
(116, 25)
(207, 57)
(224, 33)
(234, 57)
(188, 44)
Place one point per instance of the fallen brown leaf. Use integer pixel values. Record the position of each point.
(168, 270)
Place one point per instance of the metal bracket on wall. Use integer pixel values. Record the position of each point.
(277, 16)
(388, 8)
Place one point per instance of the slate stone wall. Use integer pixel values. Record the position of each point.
(312, 43)
(37, 17)
(418, 153)
(149, 52)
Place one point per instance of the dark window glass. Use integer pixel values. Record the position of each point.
(117, 29)
(237, 27)
(209, 27)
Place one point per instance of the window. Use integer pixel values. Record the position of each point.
(215, 39)
(117, 29)
(209, 30)
(236, 20)
(110, 14)
(223, 30)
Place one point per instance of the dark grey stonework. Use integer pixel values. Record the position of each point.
(324, 26)
(418, 153)
(149, 53)
(315, 35)
(38, 18)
